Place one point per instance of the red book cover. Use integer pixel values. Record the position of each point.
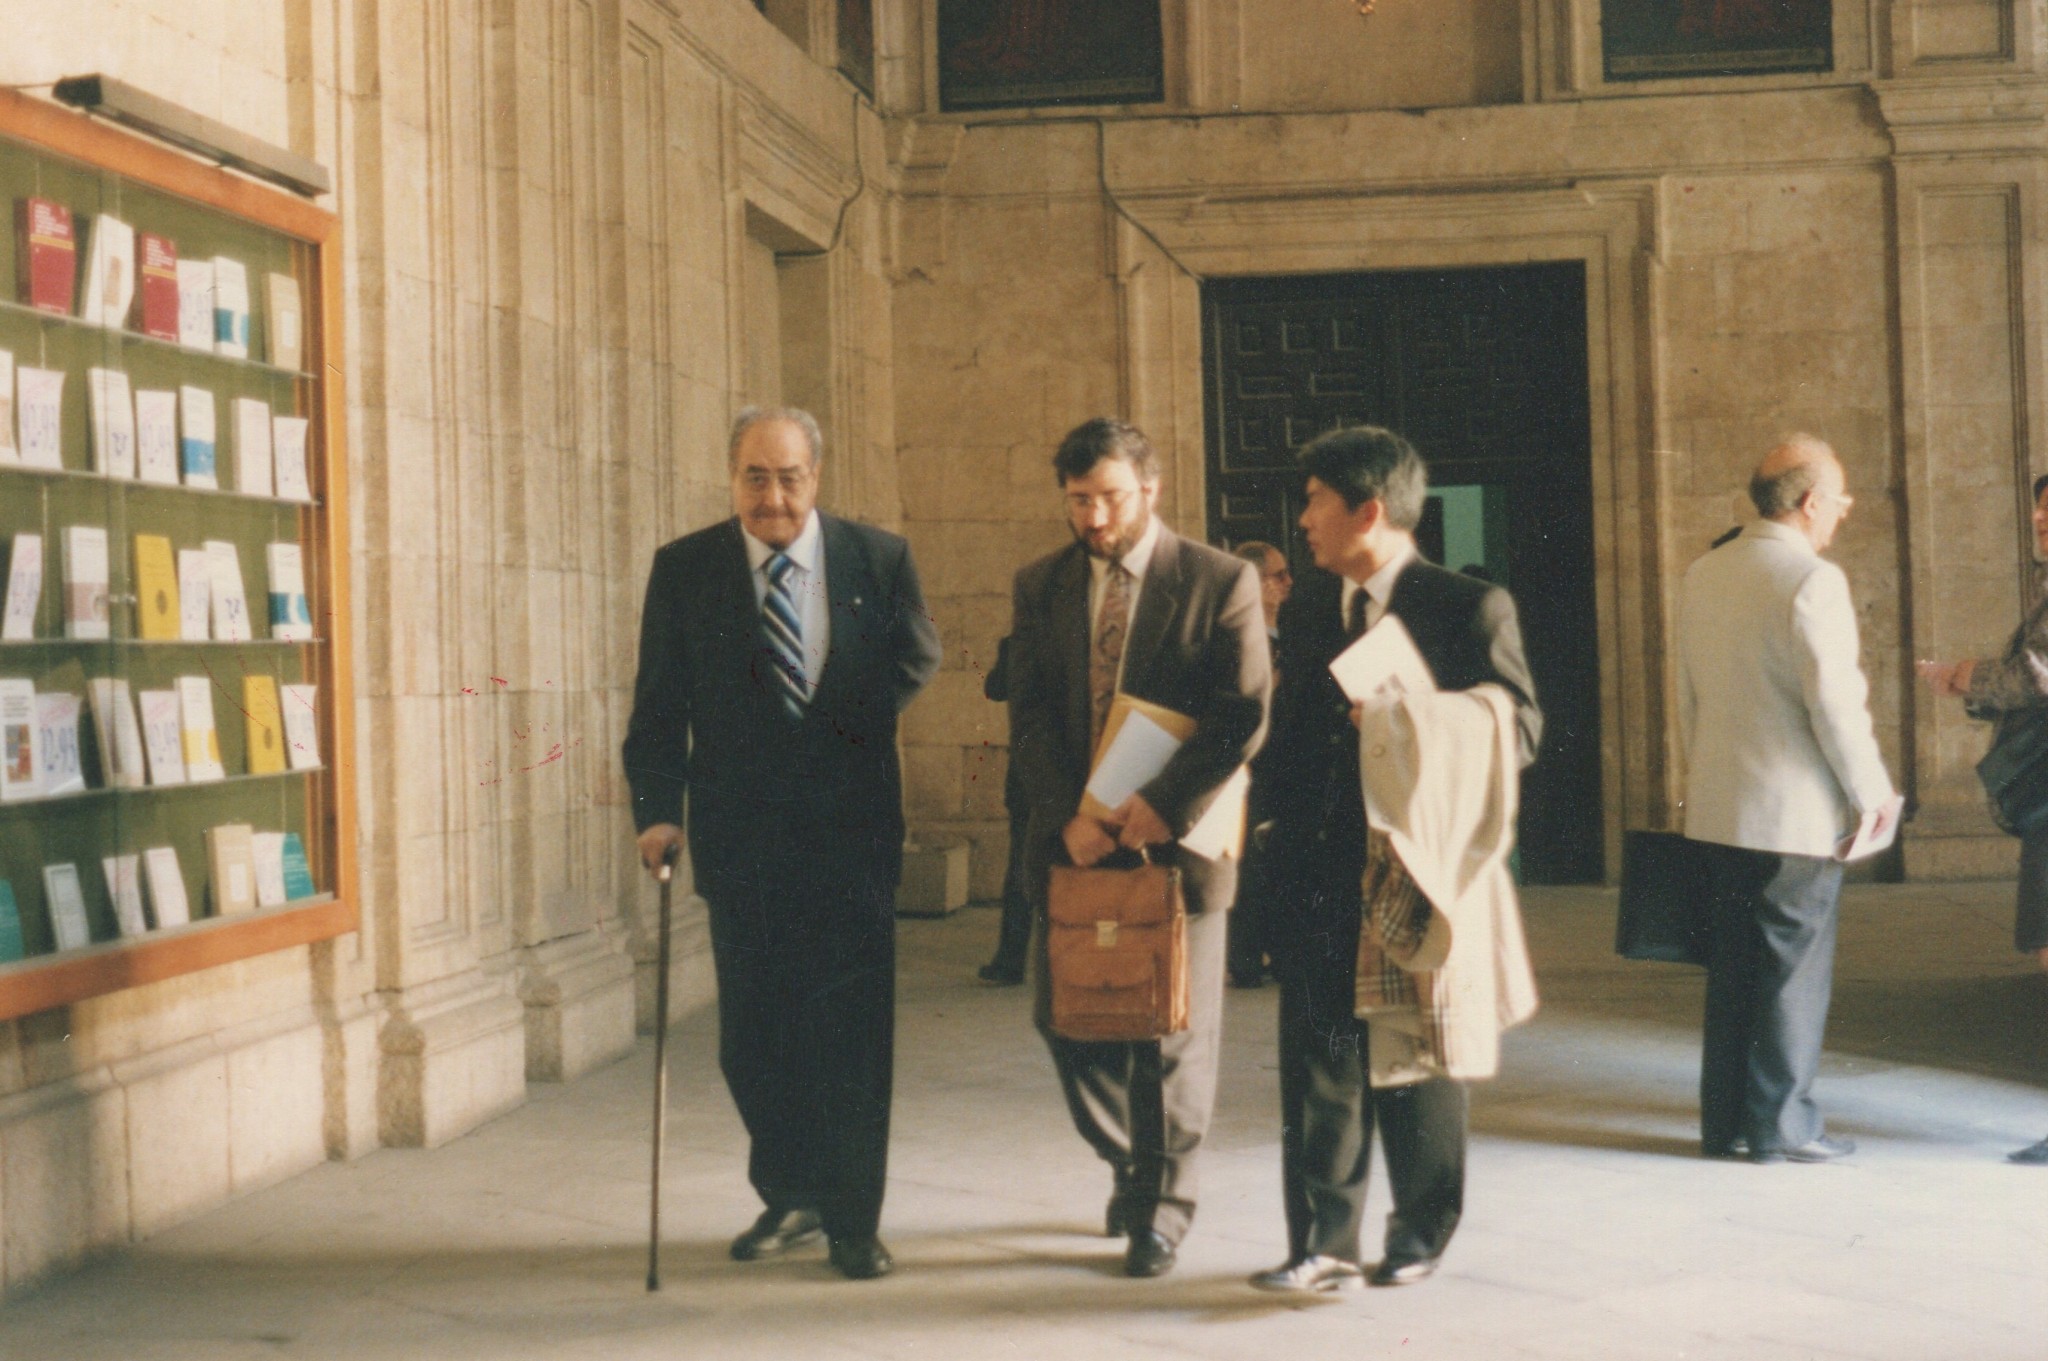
(48, 254)
(157, 298)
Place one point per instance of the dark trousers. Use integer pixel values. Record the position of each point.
(1329, 1109)
(2030, 921)
(1145, 1107)
(1768, 984)
(1013, 938)
(1248, 918)
(806, 1040)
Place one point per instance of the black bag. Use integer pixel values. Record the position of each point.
(2015, 770)
(1666, 899)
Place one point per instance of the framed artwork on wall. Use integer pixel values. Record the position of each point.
(1667, 39)
(1008, 53)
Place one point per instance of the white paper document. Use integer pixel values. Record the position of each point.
(1864, 842)
(1384, 659)
(1139, 752)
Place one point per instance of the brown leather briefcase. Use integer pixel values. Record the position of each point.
(1117, 940)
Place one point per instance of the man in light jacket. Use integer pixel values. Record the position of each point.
(1783, 766)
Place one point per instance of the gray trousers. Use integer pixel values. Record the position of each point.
(1769, 981)
(2030, 920)
(1144, 1107)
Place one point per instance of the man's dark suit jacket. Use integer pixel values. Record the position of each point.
(1196, 645)
(1465, 630)
(773, 802)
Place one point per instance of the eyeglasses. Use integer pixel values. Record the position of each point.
(1079, 503)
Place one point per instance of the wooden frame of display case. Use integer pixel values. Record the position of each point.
(43, 981)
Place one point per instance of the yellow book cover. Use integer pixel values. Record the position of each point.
(156, 587)
(266, 725)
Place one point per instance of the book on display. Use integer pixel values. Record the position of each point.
(156, 588)
(66, 897)
(109, 272)
(197, 451)
(86, 611)
(290, 617)
(231, 868)
(10, 452)
(230, 604)
(115, 730)
(156, 435)
(12, 946)
(267, 850)
(167, 899)
(21, 741)
(195, 595)
(252, 447)
(288, 449)
(46, 254)
(264, 723)
(287, 339)
(24, 588)
(59, 767)
(156, 303)
(163, 735)
(301, 725)
(195, 304)
(230, 308)
(298, 874)
(113, 422)
(39, 413)
(201, 745)
(124, 888)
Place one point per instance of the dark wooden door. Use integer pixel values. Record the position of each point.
(1484, 370)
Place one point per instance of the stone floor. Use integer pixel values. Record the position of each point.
(1592, 1231)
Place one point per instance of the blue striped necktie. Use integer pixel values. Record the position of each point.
(785, 636)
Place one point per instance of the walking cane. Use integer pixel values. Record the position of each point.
(662, 875)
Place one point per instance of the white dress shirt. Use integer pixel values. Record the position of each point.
(1135, 562)
(1378, 588)
(806, 591)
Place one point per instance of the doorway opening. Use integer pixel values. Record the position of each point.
(1484, 371)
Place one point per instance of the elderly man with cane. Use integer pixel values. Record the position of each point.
(776, 650)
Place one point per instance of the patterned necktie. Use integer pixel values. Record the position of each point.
(1112, 622)
(785, 634)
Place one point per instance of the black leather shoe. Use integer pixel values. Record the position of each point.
(1312, 1274)
(1734, 1148)
(995, 971)
(2033, 1155)
(1404, 1270)
(1822, 1148)
(861, 1259)
(774, 1233)
(1149, 1254)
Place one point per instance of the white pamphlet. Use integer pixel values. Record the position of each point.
(113, 422)
(124, 886)
(109, 272)
(67, 906)
(268, 849)
(119, 737)
(39, 408)
(195, 595)
(230, 605)
(195, 304)
(301, 725)
(288, 445)
(166, 886)
(59, 768)
(252, 447)
(163, 737)
(1865, 840)
(8, 452)
(156, 435)
(1384, 662)
(24, 589)
(21, 741)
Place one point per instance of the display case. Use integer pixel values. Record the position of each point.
(175, 787)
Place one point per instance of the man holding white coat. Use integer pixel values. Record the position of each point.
(1783, 768)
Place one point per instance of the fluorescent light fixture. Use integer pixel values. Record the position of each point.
(200, 135)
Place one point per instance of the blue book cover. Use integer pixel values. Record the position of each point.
(11, 946)
(298, 875)
(288, 609)
(198, 459)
